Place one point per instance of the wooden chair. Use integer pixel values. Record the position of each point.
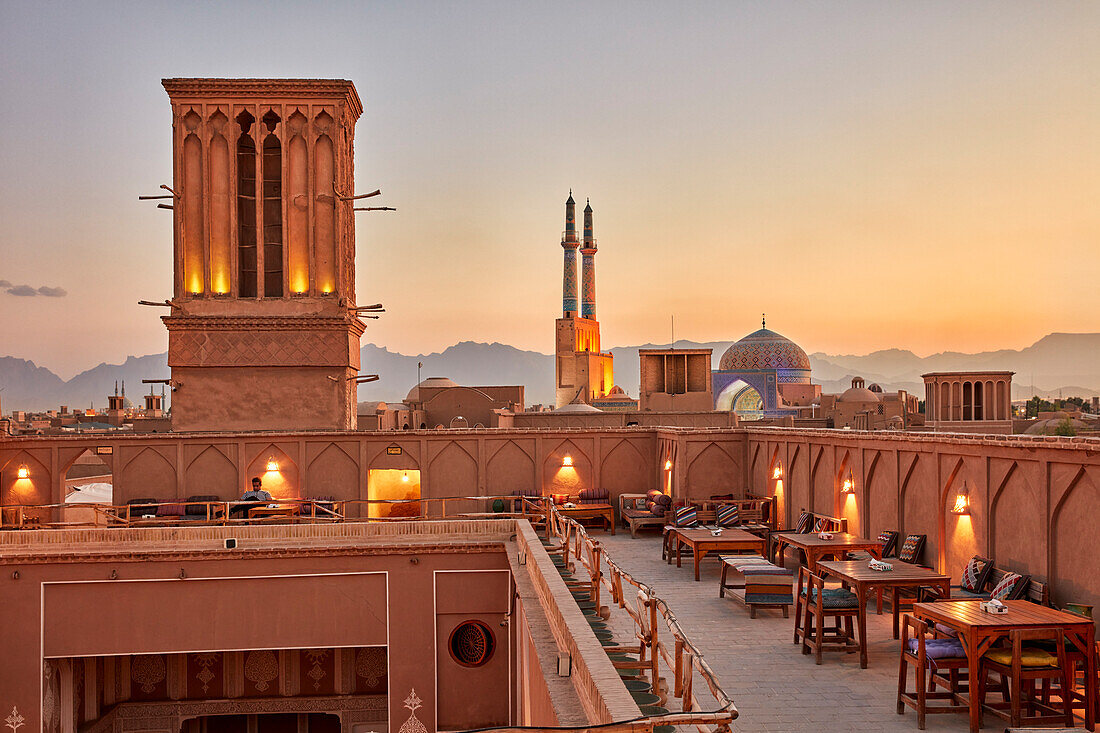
(1018, 665)
(814, 605)
(930, 657)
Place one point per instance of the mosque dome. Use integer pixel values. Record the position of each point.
(414, 393)
(764, 349)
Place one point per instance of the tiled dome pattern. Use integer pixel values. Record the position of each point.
(764, 349)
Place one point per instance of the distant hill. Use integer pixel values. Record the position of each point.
(1061, 364)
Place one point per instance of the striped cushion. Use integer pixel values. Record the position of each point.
(804, 521)
(838, 598)
(728, 515)
(685, 516)
(1008, 583)
(819, 525)
(911, 547)
(594, 496)
(973, 574)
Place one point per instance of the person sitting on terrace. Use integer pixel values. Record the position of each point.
(257, 493)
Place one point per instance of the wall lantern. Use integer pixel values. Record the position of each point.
(777, 472)
(668, 465)
(272, 464)
(23, 472)
(962, 501)
(567, 462)
(849, 486)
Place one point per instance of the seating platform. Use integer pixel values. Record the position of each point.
(763, 584)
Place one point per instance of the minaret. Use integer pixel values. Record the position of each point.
(588, 267)
(569, 276)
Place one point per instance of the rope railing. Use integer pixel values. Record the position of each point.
(233, 512)
(683, 660)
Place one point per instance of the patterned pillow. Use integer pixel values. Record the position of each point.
(804, 521)
(973, 575)
(819, 525)
(1006, 586)
(728, 515)
(911, 548)
(685, 516)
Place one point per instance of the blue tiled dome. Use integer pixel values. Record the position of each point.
(765, 349)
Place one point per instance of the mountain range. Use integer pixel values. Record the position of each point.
(1060, 364)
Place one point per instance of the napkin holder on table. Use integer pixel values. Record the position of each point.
(880, 565)
(825, 535)
(993, 606)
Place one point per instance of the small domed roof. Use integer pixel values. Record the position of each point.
(414, 393)
(616, 390)
(578, 407)
(764, 349)
(875, 388)
(858, 394)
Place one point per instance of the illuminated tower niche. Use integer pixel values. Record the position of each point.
(264, 334)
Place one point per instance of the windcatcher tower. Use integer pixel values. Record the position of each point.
(263, 333)
(583, 372)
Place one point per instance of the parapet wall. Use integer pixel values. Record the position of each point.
(1033, 499)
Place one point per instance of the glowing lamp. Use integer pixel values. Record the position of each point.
(777, 472)
(405, 477)
(849, 486)
(668, 465)
(567, 461)
(23, 472)
(962, 501)
(272, 465)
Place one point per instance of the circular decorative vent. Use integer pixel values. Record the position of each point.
(472, 644)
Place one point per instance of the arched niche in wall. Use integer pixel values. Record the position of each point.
(881, 496)
(146, 474)
(276, 469)
(847, 504)
(211, 470)
(332, 470)
(963, 534)
(221, 217)
(1075, 543)
(561, 476)
(298, 205)
(711, 471)
(510, 468)
(1017, 525)
(452, 471)
(625, 469)
(272, 211)
(193, 216)
(34, 489)
(324, 207)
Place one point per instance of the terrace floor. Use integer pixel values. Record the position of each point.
(775, 687)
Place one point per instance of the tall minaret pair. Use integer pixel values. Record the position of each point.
(588, 263)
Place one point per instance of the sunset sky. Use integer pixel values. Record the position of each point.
(923, 175)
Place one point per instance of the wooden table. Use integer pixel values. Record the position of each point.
(282, 510)
(591, 511)
(817, 548)
(978, 631)
(702, 541)
(861, 578)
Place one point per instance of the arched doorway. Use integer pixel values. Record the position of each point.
(741, 398)
(88, 481)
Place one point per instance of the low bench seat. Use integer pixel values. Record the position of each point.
(764, 584)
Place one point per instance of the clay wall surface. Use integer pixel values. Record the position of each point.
(1034, 499)
(263, 596)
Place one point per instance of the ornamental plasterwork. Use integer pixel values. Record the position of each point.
(148, 671)
(14, 720)
(316, 671)
(261, 668)
(205, 662)
(370, 664)
(413, 724)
